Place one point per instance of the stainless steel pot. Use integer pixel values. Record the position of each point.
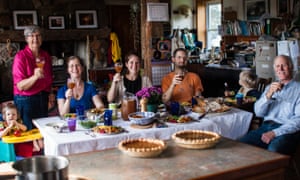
(42, 168)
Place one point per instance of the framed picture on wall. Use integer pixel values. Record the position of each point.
(86, 19)
(283, 7)
(254, 9)
(24, 18)
(56, 22)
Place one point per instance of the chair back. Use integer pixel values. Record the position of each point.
(262, 84)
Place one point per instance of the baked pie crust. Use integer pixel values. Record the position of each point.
(196, 139)
(142, 147)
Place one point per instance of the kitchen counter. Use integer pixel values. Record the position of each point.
(228, 160)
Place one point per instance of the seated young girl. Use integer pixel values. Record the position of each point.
(12, 124)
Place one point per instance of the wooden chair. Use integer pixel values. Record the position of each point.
(262, 84)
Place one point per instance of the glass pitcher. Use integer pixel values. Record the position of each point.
(129, 104)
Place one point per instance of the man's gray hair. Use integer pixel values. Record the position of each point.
(31, 29)
(289, 62)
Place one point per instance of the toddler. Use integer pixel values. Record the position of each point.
(247, 81)
(13, 125)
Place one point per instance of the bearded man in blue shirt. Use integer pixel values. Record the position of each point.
(279, 105)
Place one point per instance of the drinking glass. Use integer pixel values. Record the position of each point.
(118, 67)
(40, 62)
(181, 75)
(71, 83)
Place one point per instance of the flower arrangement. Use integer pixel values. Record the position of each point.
(152, 94)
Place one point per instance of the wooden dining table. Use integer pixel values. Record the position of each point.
(227, 160)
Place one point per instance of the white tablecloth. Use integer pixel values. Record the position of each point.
(232, 124)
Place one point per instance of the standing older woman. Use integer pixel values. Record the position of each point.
(32, 77)
(131, 81)
(83, 93)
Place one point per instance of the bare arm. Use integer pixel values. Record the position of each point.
(21, 126)
(168, 94)
(63, 106)
(26, 84)
(111, 94)
(98, 102)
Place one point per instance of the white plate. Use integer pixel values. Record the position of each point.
(212, 114)
(55, 124)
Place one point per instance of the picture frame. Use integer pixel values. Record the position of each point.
(24, 18)
(254, 9)
(86, 19)
(56, 22)
(283, 7)
(157, 12)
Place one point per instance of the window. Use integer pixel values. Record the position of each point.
(213, 11)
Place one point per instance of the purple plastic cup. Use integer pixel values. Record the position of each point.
(72, 124)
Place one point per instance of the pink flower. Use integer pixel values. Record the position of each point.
(153, 94)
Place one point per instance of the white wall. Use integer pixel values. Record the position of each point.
(180, 21)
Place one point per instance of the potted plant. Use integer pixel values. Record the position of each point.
(150, 97)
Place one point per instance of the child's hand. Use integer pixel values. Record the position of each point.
(12, 123)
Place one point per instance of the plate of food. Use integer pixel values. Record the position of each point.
(232, 100)
(178, 119)
(210, 106)
(108, 130)
(57, 126)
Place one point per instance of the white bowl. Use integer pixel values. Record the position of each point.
(141, 118)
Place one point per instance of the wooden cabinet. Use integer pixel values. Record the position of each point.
(100, 76)
(60, 76)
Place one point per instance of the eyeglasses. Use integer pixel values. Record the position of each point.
(34, 35)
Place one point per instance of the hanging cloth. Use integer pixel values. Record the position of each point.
(115, 48)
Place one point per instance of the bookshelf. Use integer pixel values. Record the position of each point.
(235, 30)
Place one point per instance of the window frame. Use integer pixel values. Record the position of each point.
(207, 29)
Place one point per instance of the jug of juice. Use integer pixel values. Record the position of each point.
(129, 104)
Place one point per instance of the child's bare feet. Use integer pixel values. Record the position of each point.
(36, 147)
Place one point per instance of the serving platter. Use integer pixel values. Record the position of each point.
(108, 130)
(182, 119)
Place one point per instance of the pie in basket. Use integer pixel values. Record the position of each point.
(196, 139)
(142, 147)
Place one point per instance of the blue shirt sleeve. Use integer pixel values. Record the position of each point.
(61, 92)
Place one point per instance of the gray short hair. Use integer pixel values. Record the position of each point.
(289, 61)
(31, 29)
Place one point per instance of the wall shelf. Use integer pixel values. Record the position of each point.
(57, 35)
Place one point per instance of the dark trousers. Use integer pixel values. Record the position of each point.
(284, 144)
(31, 107)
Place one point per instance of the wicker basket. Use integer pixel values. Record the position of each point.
(196, 139)
(143, 148)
